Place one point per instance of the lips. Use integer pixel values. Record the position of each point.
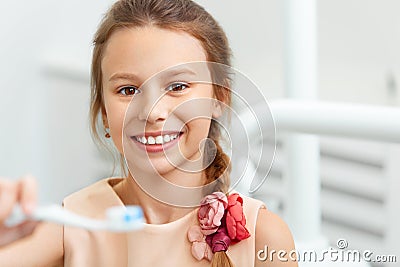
(157, 141)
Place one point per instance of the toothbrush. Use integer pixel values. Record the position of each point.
(118, 218)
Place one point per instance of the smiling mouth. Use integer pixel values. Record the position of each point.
(157, 139)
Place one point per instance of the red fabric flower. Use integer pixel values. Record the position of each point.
(219, 241)
(211, 211)
(235, 219)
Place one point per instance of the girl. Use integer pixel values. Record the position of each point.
(136, 40)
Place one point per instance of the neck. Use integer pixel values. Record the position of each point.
(155, 211)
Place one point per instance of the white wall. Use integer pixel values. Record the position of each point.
(34, 36)
(359, 43)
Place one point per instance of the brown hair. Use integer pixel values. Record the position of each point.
(176, 15)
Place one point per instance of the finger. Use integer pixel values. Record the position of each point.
(8, 198)
(28, 194)
(9, 235)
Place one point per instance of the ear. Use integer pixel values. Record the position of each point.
(217, 109)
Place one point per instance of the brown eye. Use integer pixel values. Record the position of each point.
(177, 87)
(129, 90)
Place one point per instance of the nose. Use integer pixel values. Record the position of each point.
(153, 108)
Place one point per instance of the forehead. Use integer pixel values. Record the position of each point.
(148, 50)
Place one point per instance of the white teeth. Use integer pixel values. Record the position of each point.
(167, 138)
(161, 139)
(151, 140)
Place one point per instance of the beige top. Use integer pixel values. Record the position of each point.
(155, 245)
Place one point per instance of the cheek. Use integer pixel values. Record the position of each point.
(196, 112)
(198, 130)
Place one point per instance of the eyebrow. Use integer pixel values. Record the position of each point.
(176, 72)
(168, 73)
(123, 76)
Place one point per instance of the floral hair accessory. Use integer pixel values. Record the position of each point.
(235, 220)
(212, 209)
(200, 248)
(222, 222)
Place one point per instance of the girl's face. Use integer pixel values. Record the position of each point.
(144, 117)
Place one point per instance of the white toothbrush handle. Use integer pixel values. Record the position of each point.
(56, 214)
(119, 219)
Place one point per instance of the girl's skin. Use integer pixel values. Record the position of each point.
(141, 53)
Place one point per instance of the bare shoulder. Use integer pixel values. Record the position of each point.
(43, 248)
(273, 238)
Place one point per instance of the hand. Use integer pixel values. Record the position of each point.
(23, 192)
